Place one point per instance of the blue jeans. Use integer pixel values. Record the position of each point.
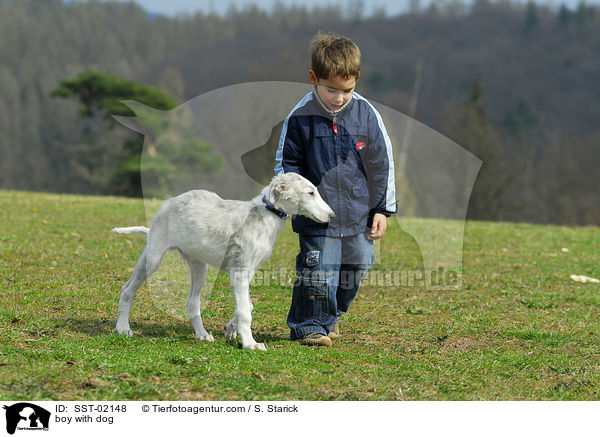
(329, 272)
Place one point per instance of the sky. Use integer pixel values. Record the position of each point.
(392, 7)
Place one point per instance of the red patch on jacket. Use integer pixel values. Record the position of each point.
(360, 145)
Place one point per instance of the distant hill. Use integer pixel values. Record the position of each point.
(539, 70)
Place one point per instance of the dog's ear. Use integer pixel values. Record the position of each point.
(281, 191)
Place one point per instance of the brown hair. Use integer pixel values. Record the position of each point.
(334, 54)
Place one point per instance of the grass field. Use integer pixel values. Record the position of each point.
(519, 329)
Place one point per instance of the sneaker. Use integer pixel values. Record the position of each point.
(334, 331)
(315, 339)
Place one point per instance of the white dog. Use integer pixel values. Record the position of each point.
(236, 236)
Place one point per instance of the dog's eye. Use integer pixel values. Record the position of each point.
(312, 193)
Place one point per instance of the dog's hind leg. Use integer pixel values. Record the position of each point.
(147, 264)
(240, 283)
(198, 273)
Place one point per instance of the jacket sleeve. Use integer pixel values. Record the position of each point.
(379, 166)
(290, 151)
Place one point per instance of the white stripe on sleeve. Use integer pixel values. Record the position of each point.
(390, 198)
(279, 155)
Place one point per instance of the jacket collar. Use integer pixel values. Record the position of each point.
(332, 114)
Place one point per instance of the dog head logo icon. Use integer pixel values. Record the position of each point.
(26, 416)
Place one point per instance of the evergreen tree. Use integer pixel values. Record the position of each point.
(520, 119)
(531, 18)
(102, 92)
(564, 15)
(470, 127)
(584, 16)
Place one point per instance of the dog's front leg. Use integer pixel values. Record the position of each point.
(240, 284)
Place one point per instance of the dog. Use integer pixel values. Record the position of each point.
(235, 236)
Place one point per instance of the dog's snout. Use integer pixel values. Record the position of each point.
(330, 215)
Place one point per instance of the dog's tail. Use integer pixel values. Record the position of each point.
(131, 230)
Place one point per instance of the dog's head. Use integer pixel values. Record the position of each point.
(296, 195)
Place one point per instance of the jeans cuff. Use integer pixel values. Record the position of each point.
(298, 333)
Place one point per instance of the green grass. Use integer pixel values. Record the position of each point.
(519, 328)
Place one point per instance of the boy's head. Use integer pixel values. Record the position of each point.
(333, 55)
(335, 67)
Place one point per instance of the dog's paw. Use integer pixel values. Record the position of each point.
(124, 331)
(230, 335)
(230, 332)
(205, 337)
(256, 347)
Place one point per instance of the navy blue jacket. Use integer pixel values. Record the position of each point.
(348, 157)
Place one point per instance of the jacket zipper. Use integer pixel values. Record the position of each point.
(339, 165)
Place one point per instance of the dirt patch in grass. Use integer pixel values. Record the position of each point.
(453, 343)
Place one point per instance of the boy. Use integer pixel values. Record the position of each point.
(337, 140)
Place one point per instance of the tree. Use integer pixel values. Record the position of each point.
(175, 157)
(584, 15)
(176, 154)
(378, 81)
(564, 15)
(470, 126)
(102, 92)
(531, 18)
(520, 119)
(100, 96)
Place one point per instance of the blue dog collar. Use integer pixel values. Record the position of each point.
(281, 214)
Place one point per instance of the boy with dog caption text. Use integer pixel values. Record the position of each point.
(336, 139)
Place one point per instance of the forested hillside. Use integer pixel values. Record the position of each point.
(515, 84)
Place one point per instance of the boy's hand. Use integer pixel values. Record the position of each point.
(378, 227)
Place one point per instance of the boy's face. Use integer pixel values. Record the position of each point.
(335, 91)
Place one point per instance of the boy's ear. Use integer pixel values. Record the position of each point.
(313, 77)
(281, 191)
